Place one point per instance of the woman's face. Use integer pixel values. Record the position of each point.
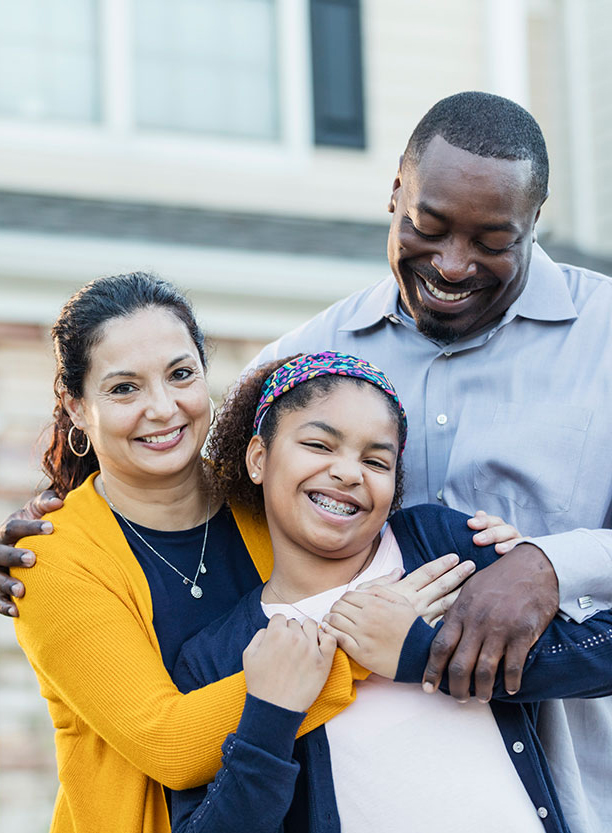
(145, 402)
(328, 475)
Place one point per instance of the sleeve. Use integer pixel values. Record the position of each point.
(569, 660)
(91, 650)
(582, 560)
(255, 785)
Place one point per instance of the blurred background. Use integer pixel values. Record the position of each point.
(244, 149)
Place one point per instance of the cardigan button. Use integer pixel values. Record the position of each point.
(518, 746)
(542, 812)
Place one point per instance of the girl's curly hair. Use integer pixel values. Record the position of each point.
(233, 428)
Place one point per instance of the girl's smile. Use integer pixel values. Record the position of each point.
(329, 479)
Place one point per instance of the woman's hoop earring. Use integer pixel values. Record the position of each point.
(71, 446)
(213, 411)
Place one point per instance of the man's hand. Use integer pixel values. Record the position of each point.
(24, 522)
(501, 612)
(493, 530)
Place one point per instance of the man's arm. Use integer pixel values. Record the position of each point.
(20, 524)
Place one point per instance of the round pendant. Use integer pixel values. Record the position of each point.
(196, 591)
(203, 568)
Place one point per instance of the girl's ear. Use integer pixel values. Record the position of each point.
(74, 409)
(255, 459)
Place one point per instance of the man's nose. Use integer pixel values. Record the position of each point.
(454, 261)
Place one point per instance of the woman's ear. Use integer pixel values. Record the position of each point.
(74, 409)
(255, 459)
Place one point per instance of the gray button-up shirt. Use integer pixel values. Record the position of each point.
(515, 420)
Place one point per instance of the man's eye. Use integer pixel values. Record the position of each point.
(418, 231)
(491, 251)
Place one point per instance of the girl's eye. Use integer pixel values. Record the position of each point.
(182, 373)
(378, 464)
(316, 445)
(123, 388)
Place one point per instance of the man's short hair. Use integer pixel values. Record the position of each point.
(485, 125)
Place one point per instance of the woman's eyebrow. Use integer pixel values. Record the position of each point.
(132, 373)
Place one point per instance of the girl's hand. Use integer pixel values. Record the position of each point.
(371, 627)
(430, 589)
(287, 664)
(494, 530)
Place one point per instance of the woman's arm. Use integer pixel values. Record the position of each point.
(93, 652)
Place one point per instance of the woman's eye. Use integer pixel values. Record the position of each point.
(182, 373)
(316, 445)
(123, 388)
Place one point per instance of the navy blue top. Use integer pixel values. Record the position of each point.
(230, 574)
(268, 783)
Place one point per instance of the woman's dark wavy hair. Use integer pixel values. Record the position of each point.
(79, 327)
(233, 428)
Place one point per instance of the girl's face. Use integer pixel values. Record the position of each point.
(328, 475)
(145, 403)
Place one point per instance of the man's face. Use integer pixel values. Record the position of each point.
(460, 239)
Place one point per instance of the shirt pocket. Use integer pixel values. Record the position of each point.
(531, 454)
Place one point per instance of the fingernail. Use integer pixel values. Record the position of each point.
(481, 537)
(46, 527)
(428, 688)
(461, 701)
(12, 611)
(28, 559)
(512, 692)
(483, 700)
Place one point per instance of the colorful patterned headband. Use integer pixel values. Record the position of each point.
(311, 365)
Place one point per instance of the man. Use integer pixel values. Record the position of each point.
(501, 359)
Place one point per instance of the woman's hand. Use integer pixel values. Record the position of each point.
(494, 530)
(18, 525)
(287, 664)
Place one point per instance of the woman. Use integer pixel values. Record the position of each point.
(318, 446)
(144, 555)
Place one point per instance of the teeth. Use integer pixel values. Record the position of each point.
(162, 438)
(331, 505)
(445, 296)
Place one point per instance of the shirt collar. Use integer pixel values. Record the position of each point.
(546, 297)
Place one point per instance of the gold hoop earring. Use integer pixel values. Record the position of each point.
(71, 446)
(213, 411)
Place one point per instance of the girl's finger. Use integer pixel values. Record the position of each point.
(448, 582)
(392, 577)
(427, 573)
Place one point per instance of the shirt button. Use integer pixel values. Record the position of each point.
(441, 419)
(542, 812)
(518, 746)
(439, 494)
(448, 353)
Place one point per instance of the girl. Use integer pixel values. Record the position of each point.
(321, 441)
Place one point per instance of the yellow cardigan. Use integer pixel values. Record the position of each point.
(122, 727)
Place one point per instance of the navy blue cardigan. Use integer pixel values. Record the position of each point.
(269, 782)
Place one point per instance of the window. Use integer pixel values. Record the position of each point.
(207, 66)
(48, 60)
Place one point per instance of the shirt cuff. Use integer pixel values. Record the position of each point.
(415, 652)
(269, 727)
(584, 572)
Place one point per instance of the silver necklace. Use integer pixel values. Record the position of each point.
(301, 612)
(195, 590)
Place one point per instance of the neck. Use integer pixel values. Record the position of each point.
(299, 574)
(170, 506)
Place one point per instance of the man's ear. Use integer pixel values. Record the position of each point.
(255, 459)
(397, 184)
(74, 408)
